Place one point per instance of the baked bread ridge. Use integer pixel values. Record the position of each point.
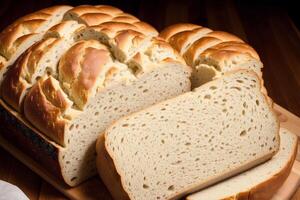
(211, 53)
(39, 59)
(96, 15)
(117, 131)
(260, 182)
(26, 31)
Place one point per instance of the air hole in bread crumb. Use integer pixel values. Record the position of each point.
(257, 102)
(240, 81)
(237, 88)
(162, 141)
(171, 187)
(74, 178)
(207, 96)
(71, 127)
(212, 87)
(145, 90)
(243, 112)
(125, 125)
(243, 133)
(187, 144)
(145, 186)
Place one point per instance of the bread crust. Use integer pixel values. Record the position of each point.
(25, 26)
(107, 171)
(176, 28)
(17, 131)
(44, 106)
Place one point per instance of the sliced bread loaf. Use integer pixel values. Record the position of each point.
(260, 182)
(189, 142)
(70, 85)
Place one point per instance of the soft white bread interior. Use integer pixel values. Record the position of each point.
(260, 182)
(183, 144)
(211, 53)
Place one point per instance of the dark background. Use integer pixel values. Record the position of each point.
(270, 26)
(162, 13)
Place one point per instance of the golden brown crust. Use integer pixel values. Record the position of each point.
(181, 39)
(96, 15)
(219, 42)
(25, 26)
(176, 28)
(19, 77)
(44, 106)
(82, 69)
(193, 53)
(236, 47)
(14, 84)
(84, 9)
(107, 171)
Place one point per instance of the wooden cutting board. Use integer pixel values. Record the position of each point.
(94, 189)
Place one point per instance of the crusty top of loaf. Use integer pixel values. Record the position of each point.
(26, 26)
(194, 41)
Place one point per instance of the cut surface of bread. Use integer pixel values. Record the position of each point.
(191, 141)
(260, 182)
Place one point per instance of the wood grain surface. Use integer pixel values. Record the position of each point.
(268, 28)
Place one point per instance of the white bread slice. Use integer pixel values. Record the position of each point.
(189, 142)
(260, 182)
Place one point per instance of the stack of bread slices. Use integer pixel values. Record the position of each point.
(173, 112)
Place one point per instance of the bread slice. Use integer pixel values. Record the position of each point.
(260, 182)
(189, 142)
(211, 53)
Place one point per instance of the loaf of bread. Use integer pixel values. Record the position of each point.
(259, 183)
(89, 66)
(189, 142)
(210, 53)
